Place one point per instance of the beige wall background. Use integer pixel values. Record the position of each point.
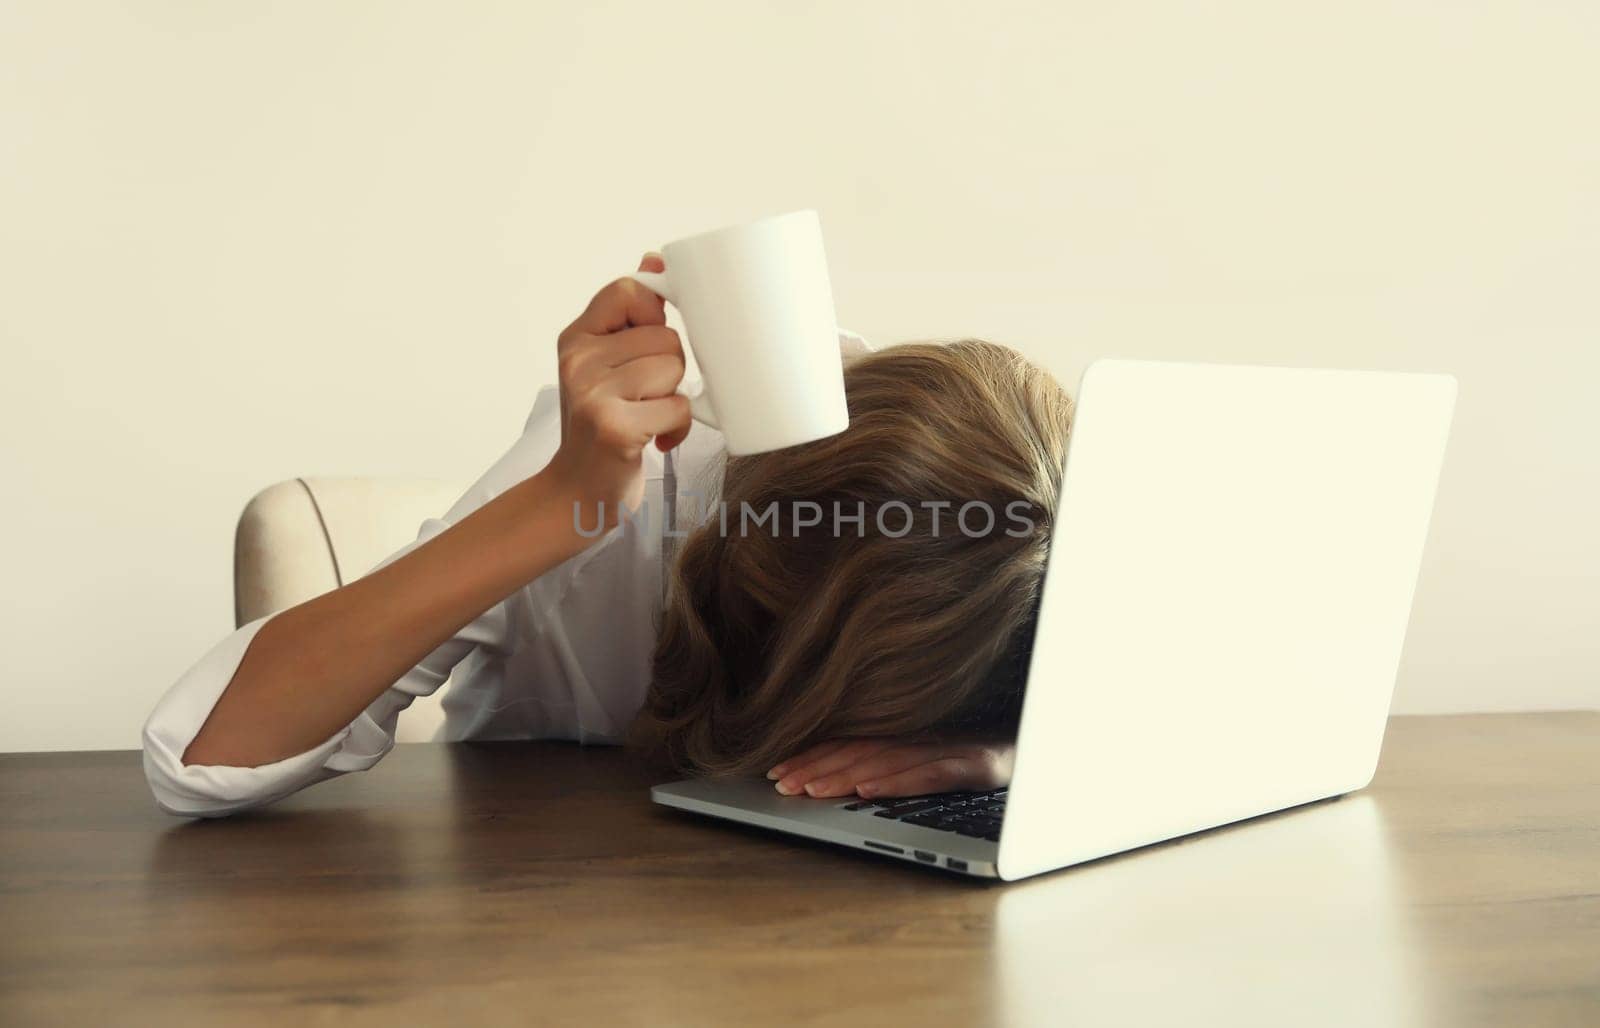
(244, 241)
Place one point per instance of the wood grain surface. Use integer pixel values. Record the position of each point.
(534, 883)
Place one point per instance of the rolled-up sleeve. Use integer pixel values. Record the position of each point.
(212, 791)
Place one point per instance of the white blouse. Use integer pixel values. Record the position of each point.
(566, 656)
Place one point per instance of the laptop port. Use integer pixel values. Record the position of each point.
(955, 865)
(883, 846)
(925, 856)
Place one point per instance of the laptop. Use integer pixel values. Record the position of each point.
(1229, 583)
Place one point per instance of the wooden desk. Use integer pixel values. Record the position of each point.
(535, 883)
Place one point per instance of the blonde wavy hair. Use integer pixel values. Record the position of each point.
(773, 642)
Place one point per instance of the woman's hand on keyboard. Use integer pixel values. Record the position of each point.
(895, 767)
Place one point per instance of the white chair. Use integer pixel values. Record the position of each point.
(307, 536)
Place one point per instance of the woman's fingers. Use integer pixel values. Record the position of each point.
(670, 440)
(805, 757)
(794, 780)
(948, 774)
(664, 416)
(987, 767)
(885, 767)
(645, 378)
(630, 344)
(878, 765)
(622, 304)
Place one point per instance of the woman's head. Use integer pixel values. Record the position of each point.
(883, 581)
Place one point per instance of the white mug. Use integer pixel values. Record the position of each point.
(758, 312)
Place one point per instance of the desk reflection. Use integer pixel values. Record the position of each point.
(1294, 919)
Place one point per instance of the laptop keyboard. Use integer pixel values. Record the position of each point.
(975, 814)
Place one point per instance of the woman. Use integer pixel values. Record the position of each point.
(877, 652)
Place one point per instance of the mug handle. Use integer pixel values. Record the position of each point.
(699, 402)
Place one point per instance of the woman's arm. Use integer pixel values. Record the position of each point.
(311, 670)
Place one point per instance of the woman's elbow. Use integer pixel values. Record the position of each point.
(185, 790)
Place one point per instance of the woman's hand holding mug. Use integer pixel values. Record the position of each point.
(758, 307)
(620, 366)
